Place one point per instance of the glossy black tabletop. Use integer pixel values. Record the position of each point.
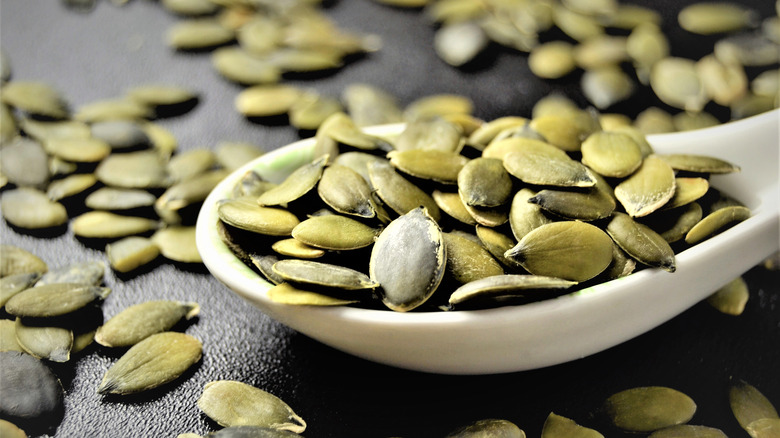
(100, 54)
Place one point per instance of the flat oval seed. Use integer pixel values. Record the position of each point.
(250, 432)
(8, 340)
(711, 18)
(131, 252)
(25, 163)
(188, 192)
(156, 95)
(688, 431)
(558, 426)
(645, 409)
(238, 65)
(232, 403)
(687, 190)
(467, 260)
(524, 216)
(44, 130)
(105, 225)
(341, 128)
(112, 109)
(155, 361)
(198, 33)
(764, 428)
(458, 43)
(267, 100)
(647, 189)
(397, 192)
(485, 134)
(433, 164)
(334, 232)
(318, 274)
(297, 184)
(564, 130)
(411, 243)
(497, 244)
(177, 243)
(369, 105)
(133, 170)
(748, 403)
(595, 203)
(121, 134)
(502, 285)
(611, 154)
(190, 163)
(139, 321)
(295, 248)
(606, 86)
(312, 109)
(571, 250)
(15, 260)
(346, 191)
(431, 106)
(70, 186)
(31, 392)
(78, 150)
(54, 299)
(285, 293)
(30, 208)
(699, 163)
(232, 155)
(676, 82)
(109, 198)
(674, 224)
(247, 215)
(731, 298)
(487, 428)
(87, 273)
(451, 204)
(35, 98)
(50, 343)
(15, 283)
(715, 222)
(641, 242)
(552, 60)
(547, 165)
(483, 182)
(438, 134)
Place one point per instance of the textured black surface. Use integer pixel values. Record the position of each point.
(100, 54)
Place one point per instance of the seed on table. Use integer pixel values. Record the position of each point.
(106, 225)
(112, 109)
(31, 392)
(134, 170)
(646, 409)
(368, 105)
(177, 243)
(132, 252)
(139, 321)
(731, 298)
(25, 163)
(13, 284)
(36, 98)
(748, 404)
(189, 8)
(711, 18)
(70, 186)
(267, 100)
(437, 105)
(191, 191)
(488, 427)
(198, 34)
(121, 134)
(312, 109)
(161, 95)
(247, 215)
(50, 343)
(87, 273)
(30, 208)
(42, 130)
(109, 198)
(15, 260)
(688, 431)
(54, 299)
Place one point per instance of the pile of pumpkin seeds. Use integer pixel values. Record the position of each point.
(51, 315)
(482, 214)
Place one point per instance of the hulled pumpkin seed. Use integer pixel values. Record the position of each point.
(346, 191)
(8, 126)
(611, 154)
(233, 403)
(129, 253)
(595, 203)
(687, 190)
(70, 186)
(497, 244)
(717, 221)
(411, 243)
(646, 45)
(647, 189)
(295, 248)
(30, 389)
(654, 120)
(15, 260)
(297, 184)
(547, 165)
(341, 128)
(25, 163)
(488, 427)
(437, 105)
(232, 155)
(558, 426)
(190, 191)
(316, 274)
(37, 98)
(198, 33)
(641, 242)
(699, 163)
(139, 321)
(451, 204)
(30, 208)
(162, 140)
(764, 428)
(285, 293)
(723, 82)
(571, 250)
(731, 298)
(105, 225)
(368, 105)
(54, 299)
(484, 182)
(564, 130)
(267, 100)
(433, 164)
(606, 85)
(247, 215)
(486, 133)
(688, 431)
(467, 260)
(160, 95)
(524, 216)
(190, 163)
(397, 192)
(458, 43)
(15, 283)
(155, 361)
(674, 224)
(43, 130)
(334, 232)
(238, 65)
(437, 133)
(177, 243)
(50, 343)
(552, 60)
(507, 285)
(86, 273)
(251, 432)
(133, 170)
(312, 109)
(112, 109)
(748, 404)
(8, 340)
(646, 409)
(711, 18)
(109, 198)
(676, 82)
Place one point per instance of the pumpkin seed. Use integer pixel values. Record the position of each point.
(160, 95)
(90, 150)
(112, 109)
(247, 215)
(571, 250)
(641, 242)
(155, 361)
(15, 260)
(198, 34)
(451, 204)
(716, 222)
(133, 170)
(368, 105)
(261, 34)
(507, 285)
(751, 105)
(297, 184)
(556, 426)
(190, 163)
(646, 409)
(552, 60)
(86, 273)
(486, 133)
(675, 81)
(312, 109)
(646, 45)
(232, 155)
(600, 51)
(687, 121)
(334, 232)
(109, 198)
(611, 154)
(36, 98)
(748, 404)
(764, 428)
(524, 216)
(30, 389)
(346, 191)
(106, 225)
(731, 298)
(139, 321)
(285, 293)
(647, 189)
(233, 403)
(8, 340)
(766, 83)
(437, 105)
(398, 193)
(238, 65)
(411, 243)
(295, 248)
(488, 216)
(177, 243)
(576, 25)
(687, 190)
(8, 126)
(267, 100)
(483, 182)
(70, 186)
(699, 163)
(711, 18)
(674, 224)
(10, 430)
(488, 427)
(315, 274)
(437, 165)
(54, 299)
(129, 253)
(264, 263)
(306, 60)
(15, 283)
(606, 85)
(25, 163)
(161, 139)
(438, 134)
(547, 165)
(566, 131)
(595, 203)
(30, 208)
(497, 244)
(50, 343)
(687, 430)
(467, 260)
(251, 432)
(190, 7)
(622, 264)
(458, 43)
(723, 82)
(654, 120)
(342, 129)
(251, 184)
(188, 192)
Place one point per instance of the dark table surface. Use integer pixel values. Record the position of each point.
(98, 55)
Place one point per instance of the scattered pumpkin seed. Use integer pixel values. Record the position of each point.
(132, 252)
(458, 43)
(764, 428)
(468, 261)
(86, 273)
(437, 133)
(25, 163)
(647, 409)
(198, 33)
(699, 163)
(688, 431)
(15, 283)
(109, 198)
(15, 260)
(748, 404)
(674, 224)
(31, 391)
(30, 208)
(177, 243)
(606, 85)
(710, 18)
(488, 427)
(297, 184)
(558, 426)
(676, 82)
(368, 105)
(133, 170)
(723, 82)
(731, 298)
(50, 343)
(139, 321)
(112, 109)
(54, 299)
(267, 100)
(160, 95)
(451, 204)
(70, 186)
(437, 105)
(36, 98)
(106, 225)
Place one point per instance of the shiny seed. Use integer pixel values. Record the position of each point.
(112, 109)
(571, 250)
(688, 431)
(687, 190)
(70, 186)
(233, 403)
(437, 105)
(731, 298)
(558, 426)
(238, 65)
(247, 215)
(716, 222)
(108, 198)
(411, 243)
(547, 165)
(488, 427)
(485, 134)
(295, 248)
(552, 60)
(647, 189)
(232, 155)
(297, 184)
(158, 359)
(50, 343)
(139, 321)
(86, 273)
(451, 204)
(334, 232)
(606, 85)
(458, 43)
(285, 293)
(25, 163)
(267, 100)
(525, 216)
(368, 105)
(748, 404)
(611, 154)
(346, 191)
(467, 260)
(676, 82)
(131, 252)
(29, 208)
(484, 182)
(315, 274)
(398, 193)
(646, 409)
(434, 164)
(711, 18)
(566, 130)
(37, 98)
(641, 242)
(699, 163)
(497, 244)
(15, 260)
(438, 134)
(31, 391)
(188, 192)
(200, 33)
(8, 340)
(134, 170)
(592, 204)
(488, 216)
(54, 299)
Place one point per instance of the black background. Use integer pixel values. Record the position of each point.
(100, 54)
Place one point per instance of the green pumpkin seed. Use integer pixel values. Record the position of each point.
(458, 43)
(247, 215)
(467, 260)
(687, 190)
(285, 293)
(723, 82)
(50, 343)
(160, 95)
(121, 134)
(606, 85)
(295, 248)
(500, 147)
(411, 243)
(622, 264)
(711, 18)
(25, 163)
(641, 242)
(688, 121)
(674, 224)
(261, 34)
(45, 130)
(552, 60)
(764, 428)
(688, 431)
(112, 109)
(109, 198)
(766, 84)
(566, 131)
(15, 260)
(267, 100)
(576, 25)
(8, 126)
(264, 263)
(315, 274)
(654, 120)
(488, 216)
(488, 427)
(508, 285)
(8, 340)
(105, 225)
(629, 16)
(437, 105)
(611, 154)
(716, 222)
(86, 273)
(334, 232)
(676, 82)
(485, 134)
(731, 298)
(306, 60)
(594, 203)
(484, 182)
(251, 185)
(311, 110)
(134, 170)
(139, 321)
(297, 184)
(600, 51)
(341, 128)
(190, 163)
(368, 105)
(397, 192)
(54, 299)
(15, 283)
(647, 189)
(558, 426)
(162, 140)
(524, 216)
(232, 403)
(438, 134)
(190, 7)
(129, 253)
(70, 186)
(451, 204)
(31, 391)
(550, 250)
(155, 361)
(30, 208)
(497, 244)
(646, 409)
(232, 155)
(37, 98)
(646, 45)
(699, 163)
(177, 243)
(238, 65)
(198, 33)
(190, 191)
(547, 165)
(748, 404)
(346, 191)
(437, 165)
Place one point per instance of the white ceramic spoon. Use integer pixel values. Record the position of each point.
(548, 332)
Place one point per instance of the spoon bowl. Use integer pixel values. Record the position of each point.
(544, 333)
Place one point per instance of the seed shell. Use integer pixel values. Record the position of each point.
(731, 298)
(155, 361)
(558, 426)
(316, 274)
(647, 189)
(641, 242)
(646, 409)
(748, 404)
(717, 221)
(139, 321)
(238, 65)
(30, 390)
(105, 225)
(50, 343)
(267, 100)
(157, 95)
(552, 60)
(233, 403)
(112, 109)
